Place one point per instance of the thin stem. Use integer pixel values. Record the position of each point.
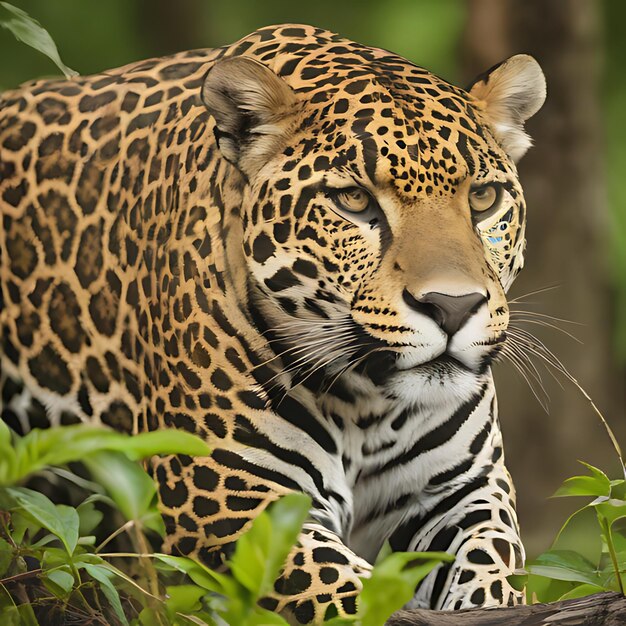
(20, 576)
(129, 524)
(609, 543)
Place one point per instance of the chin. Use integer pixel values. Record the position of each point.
(441, 382)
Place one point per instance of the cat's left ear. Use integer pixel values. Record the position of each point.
(253, 110)
(510, 93)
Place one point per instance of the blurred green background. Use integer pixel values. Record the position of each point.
(574, 177)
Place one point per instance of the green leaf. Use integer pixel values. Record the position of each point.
(58, 446)
(6, 556)
(582, 536)
(542, 589)
(581, 591)
(201, 575)
(154, 520)
(183, 598)
(565, 565)
(597, 484)
(44, 541)
(608, 575)
(29, 31)
(59, 581)
(12, 615)
(5, 436)
(8, 458)
(60, 520)
(262, 551)
(88, 559)
(392, 583)
(261, 617)
(22, 525)
(70, 522)
(611, 509)
(168, 441)
(88, 515)
(54, 558)
(125, 481)
(518, 581)
(148, 617)
(618, 489)
(104, 576)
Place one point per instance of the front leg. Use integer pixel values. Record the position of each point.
(471, 515)
(321, 579)
(209, 502)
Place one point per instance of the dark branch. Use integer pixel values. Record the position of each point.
(606, 609)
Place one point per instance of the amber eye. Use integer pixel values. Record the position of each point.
(484, 198)
(353, 199)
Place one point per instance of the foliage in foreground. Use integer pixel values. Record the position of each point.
(53, 566)
(29, 31)
(54, 562)
(595, 559)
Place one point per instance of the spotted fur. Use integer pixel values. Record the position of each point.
(177, 252)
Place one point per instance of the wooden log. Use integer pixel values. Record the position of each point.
(601, 609)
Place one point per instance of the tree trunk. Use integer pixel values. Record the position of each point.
(563, 178)
(167, 27)
(608, 609)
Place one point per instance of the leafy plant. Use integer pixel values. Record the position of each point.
(562, 573)
(23, 456)
(391, 586)
(29, 31)
(51, 562)
(51, 546)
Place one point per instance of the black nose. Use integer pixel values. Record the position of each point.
(450, 312)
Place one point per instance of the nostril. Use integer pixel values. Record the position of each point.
(425, 308)
(449, 312)
(409, 298)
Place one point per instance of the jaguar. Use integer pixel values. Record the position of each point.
(298, 248)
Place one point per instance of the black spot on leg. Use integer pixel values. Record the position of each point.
(329, 575)
(205, 507)
(496, 590)
(328, 555)
(466, 576)
(478, 597)
(262, 248)
(14, 195)
(349, 604)
(305, 612)
(173, 497)
(503, 548)
(205, 478)
(50, 370)
(479, 557)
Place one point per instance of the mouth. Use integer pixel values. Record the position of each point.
(443, 362)
(382, 364)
